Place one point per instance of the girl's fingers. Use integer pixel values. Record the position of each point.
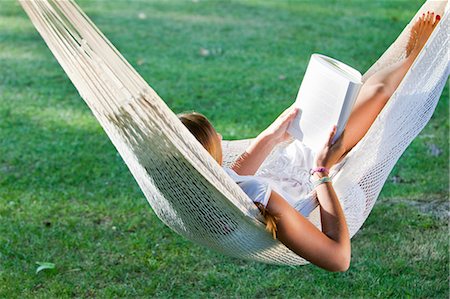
(294, 112)
(286, 113)
(291, 114)
(330, 137)
(332, 133)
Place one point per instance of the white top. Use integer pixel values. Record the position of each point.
(255, 188)
(285, 171)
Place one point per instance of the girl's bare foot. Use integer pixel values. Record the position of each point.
(420, 32)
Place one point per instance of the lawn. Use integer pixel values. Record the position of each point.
(67, 198)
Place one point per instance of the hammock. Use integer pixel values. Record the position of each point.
(186, 188)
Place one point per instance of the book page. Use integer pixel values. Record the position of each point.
(323, 93)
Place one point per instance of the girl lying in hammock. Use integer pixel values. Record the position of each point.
(329, 248)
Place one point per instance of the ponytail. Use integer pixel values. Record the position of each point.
(271, 220)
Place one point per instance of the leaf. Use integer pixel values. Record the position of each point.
(44, 266)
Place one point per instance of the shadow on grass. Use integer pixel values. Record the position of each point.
(66, 197)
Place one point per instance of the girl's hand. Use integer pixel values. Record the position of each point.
(277, 130)
(330, 153)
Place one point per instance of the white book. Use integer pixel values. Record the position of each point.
(325, 98)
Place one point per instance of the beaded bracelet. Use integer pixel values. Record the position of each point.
(322, 180)
(319, 169)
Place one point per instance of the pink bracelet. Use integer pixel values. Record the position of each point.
(319, 169)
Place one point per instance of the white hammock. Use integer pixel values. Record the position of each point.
(186, 188)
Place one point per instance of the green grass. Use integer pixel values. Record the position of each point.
(66, 196)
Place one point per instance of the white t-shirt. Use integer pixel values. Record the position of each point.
(285, 171)
(256, 189)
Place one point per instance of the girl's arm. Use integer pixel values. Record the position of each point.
(249, 162)
(331, 214)
(329, 249)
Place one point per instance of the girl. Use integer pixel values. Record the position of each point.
(329, 248)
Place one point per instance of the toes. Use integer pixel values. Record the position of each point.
(421, 25)
(424, 20)
(436, 20)
(428, 18)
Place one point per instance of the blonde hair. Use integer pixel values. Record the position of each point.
(205, 133)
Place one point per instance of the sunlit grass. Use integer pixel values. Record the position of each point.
(66, 196)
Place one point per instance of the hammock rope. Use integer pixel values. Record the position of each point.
(185, 187)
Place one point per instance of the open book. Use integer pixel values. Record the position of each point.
(325, 98)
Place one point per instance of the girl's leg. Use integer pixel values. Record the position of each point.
(377, 90)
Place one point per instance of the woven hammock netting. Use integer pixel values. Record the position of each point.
(186, 188)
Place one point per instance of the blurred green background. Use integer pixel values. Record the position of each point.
(66, 197)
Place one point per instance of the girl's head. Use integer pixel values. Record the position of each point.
(204, 132)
